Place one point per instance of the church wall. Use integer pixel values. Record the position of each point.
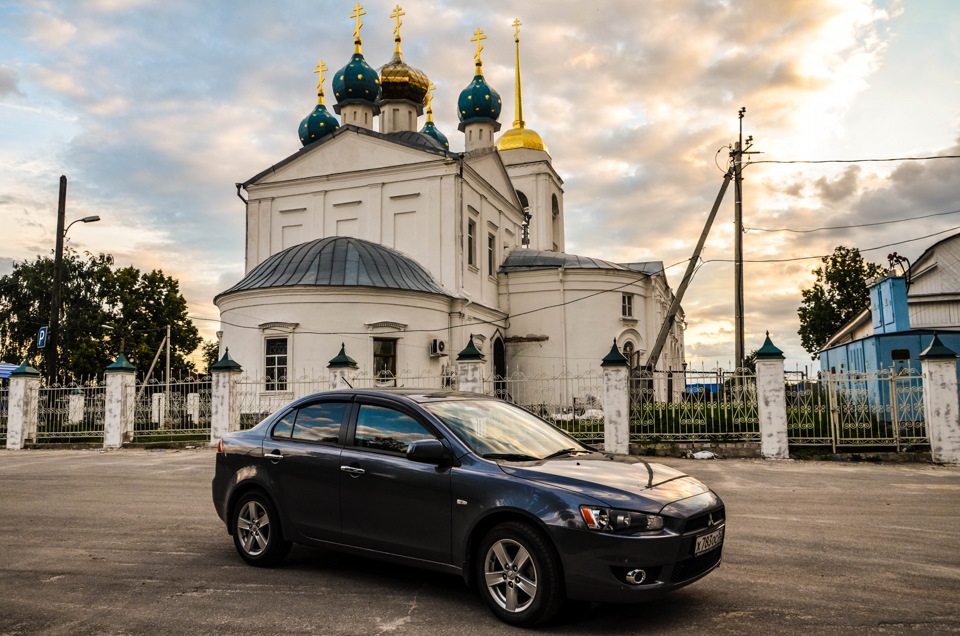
(579, 333)
(316, 320)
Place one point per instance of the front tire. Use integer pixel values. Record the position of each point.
(257, 534)
(519, 575)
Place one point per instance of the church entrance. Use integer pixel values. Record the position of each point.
(499, 368)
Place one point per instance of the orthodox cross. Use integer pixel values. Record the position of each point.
(321, 67)
(357, 12)
(478, 37)
(516, 32)
(397, 12)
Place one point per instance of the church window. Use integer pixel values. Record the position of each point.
(385, 361)
(276, 364)
(491, 254)
(472, 243)
(626, 305)
(555, 206)
(629, 352)
(524, 202)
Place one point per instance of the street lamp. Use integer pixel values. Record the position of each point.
(53, 334)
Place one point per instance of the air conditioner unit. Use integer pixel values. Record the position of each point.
(438, 348)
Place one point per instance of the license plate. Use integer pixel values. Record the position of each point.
(707, 542)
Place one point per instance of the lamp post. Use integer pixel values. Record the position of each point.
(53, 334)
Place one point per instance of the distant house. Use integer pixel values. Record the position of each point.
(904, 313)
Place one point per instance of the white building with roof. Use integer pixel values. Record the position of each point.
(375, 235)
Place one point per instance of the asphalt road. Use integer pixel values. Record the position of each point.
(127, 542)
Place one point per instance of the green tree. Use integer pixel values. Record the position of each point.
(838, 294)
(104, 312)
(211, 353)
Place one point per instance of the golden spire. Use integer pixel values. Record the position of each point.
(430, 90)
(478, 37)
(321, 67)
(397, 12)
(357, 12)
(518, 122)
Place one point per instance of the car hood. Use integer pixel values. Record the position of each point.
(618, 481)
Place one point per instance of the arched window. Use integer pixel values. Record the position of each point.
(524, 203)
(555, 206)
(629, 352)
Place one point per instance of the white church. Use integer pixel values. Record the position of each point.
(376, 236)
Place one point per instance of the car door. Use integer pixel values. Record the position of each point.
(304, 449)
(388, 502)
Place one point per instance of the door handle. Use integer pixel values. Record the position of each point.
(353, 471)
(273, 456)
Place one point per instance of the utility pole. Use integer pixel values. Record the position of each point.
(736, 154)
(166, 395)
(53, 335)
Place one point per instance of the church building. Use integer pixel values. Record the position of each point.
(376, 236)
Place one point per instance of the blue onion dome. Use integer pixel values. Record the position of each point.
(356, 81)
(319, 123)
(399, 80)
(430, 128)
(478, 101)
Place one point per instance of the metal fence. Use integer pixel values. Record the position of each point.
(4, 409)
(572, 401)
(883, 408)
(178, 409)
(715, 406)
(73, 413)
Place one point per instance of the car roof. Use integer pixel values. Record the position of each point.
(419, 396)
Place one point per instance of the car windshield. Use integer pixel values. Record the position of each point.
(497, 430)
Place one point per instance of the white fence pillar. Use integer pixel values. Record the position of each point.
(772, 402)
(119, 402)
(22, 410)
(616, 402)
(470, 368)
(341, 367)
(224, 402)
(941, 406)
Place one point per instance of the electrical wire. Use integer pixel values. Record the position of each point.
(886, 159)
(845, 227)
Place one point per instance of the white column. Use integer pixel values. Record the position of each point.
(22, 411)
(224, 402)
(772, 409)
(119, 406)
(616, 408)
(470, 374)
(940, 406)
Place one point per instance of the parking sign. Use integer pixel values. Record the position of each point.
(42, 338)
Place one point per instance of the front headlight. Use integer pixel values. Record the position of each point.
(621, 521)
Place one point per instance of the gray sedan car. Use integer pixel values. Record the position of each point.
(471, 485)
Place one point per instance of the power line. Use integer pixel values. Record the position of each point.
(806, 258)
(886, 159)
(845, 227)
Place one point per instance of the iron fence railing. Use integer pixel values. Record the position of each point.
(177, 409)
(713, 407)
(571, 401)
(4, 409)
(882, 408)
(73, 413)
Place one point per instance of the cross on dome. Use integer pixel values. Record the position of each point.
(397, 13)
(357, 12)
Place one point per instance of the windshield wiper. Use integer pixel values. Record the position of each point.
(514, 457)
(565, 451)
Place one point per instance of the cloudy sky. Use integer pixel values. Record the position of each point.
(154, 110)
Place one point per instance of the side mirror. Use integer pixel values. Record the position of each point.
(426, 451)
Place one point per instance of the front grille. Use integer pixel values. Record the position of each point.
(702, 522)
(694, 567)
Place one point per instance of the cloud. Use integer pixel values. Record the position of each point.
(9, 83)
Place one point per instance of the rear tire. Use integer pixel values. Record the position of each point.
(257, 534)
(519, 575)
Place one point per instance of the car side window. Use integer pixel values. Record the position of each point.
(319, 422)
(384, 429)
(284, 426)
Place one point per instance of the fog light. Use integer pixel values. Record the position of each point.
(636, 577)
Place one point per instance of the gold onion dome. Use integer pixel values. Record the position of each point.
(399, 80)
(519, 136)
